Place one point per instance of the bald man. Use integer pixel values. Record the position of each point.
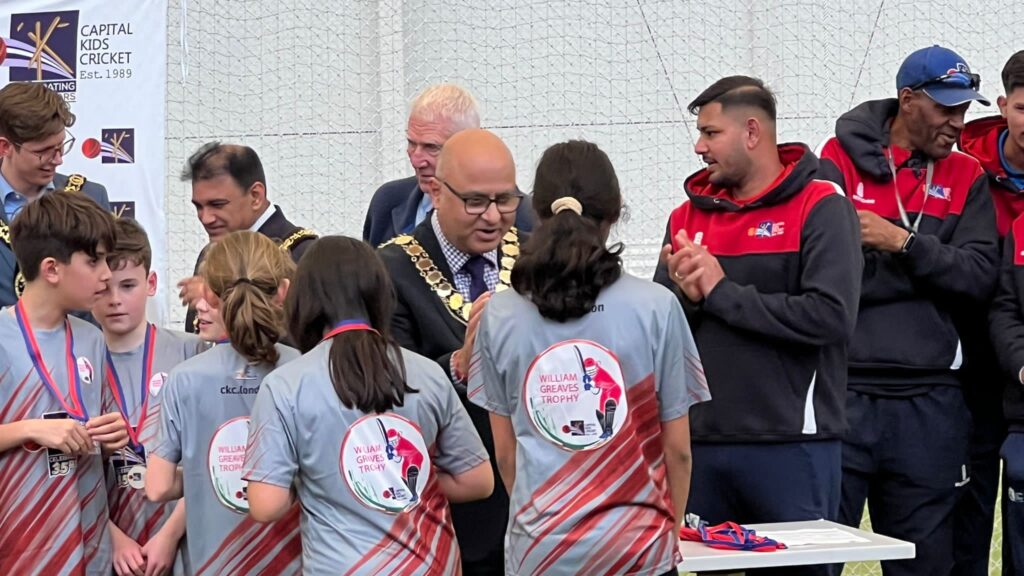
(443, 273)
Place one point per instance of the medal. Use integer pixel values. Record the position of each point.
(76, 409)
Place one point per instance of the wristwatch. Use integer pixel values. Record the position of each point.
(908, 243)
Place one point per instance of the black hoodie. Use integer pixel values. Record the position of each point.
(1007, 324)
(772, 335)
(906, 338)
(984, 381)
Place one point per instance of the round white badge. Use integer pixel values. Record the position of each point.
(385, 463)
(226, 456)
(84, 370)
(575, 395)
(156, 383)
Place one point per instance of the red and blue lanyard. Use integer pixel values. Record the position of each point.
(76, 409)
(349, 326)
(118, 391)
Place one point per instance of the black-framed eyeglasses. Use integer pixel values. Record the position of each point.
(50, 154)
(476, 204)
(960, 79)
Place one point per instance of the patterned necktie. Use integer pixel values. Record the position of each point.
(476, 267)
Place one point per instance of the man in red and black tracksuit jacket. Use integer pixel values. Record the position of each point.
(766, 261)
(998, 142)
(930, 249)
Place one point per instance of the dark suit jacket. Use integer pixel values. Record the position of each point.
(277, 228)
(393, 209)
(422, 324)
(7, 263)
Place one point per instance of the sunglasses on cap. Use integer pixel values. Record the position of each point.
(958, 79)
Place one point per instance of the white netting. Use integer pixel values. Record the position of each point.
(320, 88)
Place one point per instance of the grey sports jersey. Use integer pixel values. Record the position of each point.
(53, 507)
(204, 423)
(586, 399)
(371, 503)
(130, 510)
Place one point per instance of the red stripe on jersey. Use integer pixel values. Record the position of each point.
(431, 529)
(430, 525)
(37, 525)
(598, 471)
(249, 542)
(283, 533)
(15, 412)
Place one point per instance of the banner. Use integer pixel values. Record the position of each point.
(108, 59)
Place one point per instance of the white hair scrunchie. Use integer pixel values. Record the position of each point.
(567, 203)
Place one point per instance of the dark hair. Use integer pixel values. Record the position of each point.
(245, 270)
(340, 278)
(565, 264)
(30, 111)
(132, 246)
(57, 225)
(1013, 72)
(214, 159)
(736, 91)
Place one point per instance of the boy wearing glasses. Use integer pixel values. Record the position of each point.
(930, 251)
(33, 142)
(443, 274)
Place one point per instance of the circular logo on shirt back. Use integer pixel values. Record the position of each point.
(575, 395)
(226, 456)
(156, 383)
(385, 463)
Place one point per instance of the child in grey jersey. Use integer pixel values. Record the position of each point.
(204, 419)
(371, 436)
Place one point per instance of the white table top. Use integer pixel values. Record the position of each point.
(699, 557)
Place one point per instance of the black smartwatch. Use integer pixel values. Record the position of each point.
(908, 243)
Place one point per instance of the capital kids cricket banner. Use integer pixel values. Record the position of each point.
(108, 59)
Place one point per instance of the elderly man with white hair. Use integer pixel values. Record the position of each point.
(435, 115)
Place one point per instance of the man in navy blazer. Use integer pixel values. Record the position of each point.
(399, 206)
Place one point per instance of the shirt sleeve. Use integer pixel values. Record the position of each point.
(168, 441)
(678, 372)
(270, 454)
(458, 448)
(486, 387)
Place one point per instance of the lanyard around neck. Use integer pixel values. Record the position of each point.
(899, 201)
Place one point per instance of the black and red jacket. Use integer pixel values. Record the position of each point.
(980, 139)
(1006, 323)
(906, 338)
(772, 334)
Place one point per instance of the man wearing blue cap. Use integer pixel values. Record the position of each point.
(930, 246)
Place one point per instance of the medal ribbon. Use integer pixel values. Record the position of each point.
(349, 326)
(118, 391)
(76, 409)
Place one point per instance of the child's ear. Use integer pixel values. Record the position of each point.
(49, 270)
(151, 284)
(282, 291)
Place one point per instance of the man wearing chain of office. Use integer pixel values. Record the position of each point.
(443, 274)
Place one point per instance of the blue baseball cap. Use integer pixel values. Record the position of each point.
(941, 74)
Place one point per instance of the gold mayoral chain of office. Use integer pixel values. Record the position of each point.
(453, 301)
(74, 184)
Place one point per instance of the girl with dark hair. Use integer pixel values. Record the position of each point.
(205, 407)
(588, 374)
(372, 437)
